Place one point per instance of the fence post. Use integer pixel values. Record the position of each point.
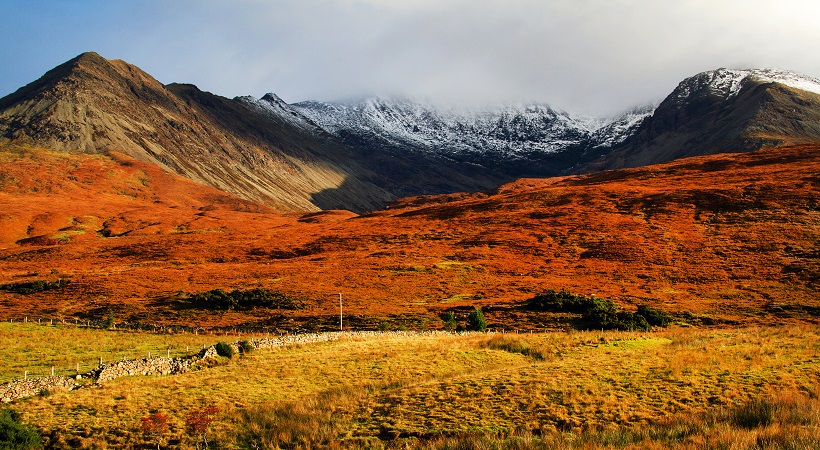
(52, 371)
(25, 375)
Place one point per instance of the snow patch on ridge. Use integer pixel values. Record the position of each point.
(729, 82)
(511, 131)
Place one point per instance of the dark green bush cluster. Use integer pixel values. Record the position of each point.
(654, 316)
(224, 349)
(31, 287)
(238, 299)
(563, 301)
(14, 435)
(599, 312)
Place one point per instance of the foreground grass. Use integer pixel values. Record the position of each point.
(748, 388)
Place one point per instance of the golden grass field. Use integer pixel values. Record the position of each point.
(679, 388)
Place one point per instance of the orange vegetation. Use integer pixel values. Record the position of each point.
(731, 237)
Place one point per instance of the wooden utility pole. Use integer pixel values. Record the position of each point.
(340, 311)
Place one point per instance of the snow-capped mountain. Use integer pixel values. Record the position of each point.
(361, 155)
(271, 105)
(728, 83)
(508, 132)
(722, 110)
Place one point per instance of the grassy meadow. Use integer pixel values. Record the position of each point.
(679, 388)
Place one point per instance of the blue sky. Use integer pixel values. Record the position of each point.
(585, 56)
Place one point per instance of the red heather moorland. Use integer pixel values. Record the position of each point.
(730, 237)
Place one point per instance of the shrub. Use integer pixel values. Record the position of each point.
(31, 287)
(155, 426)
(602, 313)
(475, 321)
(246, 346)
(224, 349)
(16, 436)
(598, 312)
(562, 301)
(238, 299)
(654, 316)
(449, 319)
(198, 422)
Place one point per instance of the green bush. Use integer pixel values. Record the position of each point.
(562, 301)
(246, 346)
(31, 287)
(654, 316)
(16, 436)
(599, 313)
(224, 349)
(449, 320)
(475, 321)
(602, 313)
(238, 299)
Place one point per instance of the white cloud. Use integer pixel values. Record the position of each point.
(589, 56)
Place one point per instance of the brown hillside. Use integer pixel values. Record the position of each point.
(94, 105)
(730, 237)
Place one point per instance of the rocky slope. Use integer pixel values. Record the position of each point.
(94, 105)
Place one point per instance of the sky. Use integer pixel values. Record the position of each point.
(594, 57)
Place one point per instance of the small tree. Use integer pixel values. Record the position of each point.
(109, 319)
(198, 422)
(475, 321)
(155, 426)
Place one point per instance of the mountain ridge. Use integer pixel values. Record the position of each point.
(362, 155)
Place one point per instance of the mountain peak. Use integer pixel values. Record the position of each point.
(727, 83)
(89, 57)
(85, 62)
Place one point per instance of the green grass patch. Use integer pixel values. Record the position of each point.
(36, 348)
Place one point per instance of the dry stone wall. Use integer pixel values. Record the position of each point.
(169, 366)
(34, 386)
